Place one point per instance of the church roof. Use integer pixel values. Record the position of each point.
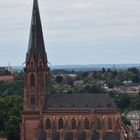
(36, 47)
(79, 101)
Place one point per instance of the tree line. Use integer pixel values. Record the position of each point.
(11, 93)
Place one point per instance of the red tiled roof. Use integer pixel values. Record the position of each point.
(6, 78)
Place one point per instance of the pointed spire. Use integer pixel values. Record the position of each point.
(36, 45)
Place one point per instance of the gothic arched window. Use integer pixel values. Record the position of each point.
(73, 124)
(53, 125)
(109, 123)
(86, 123)
(60, 123)
(79, 125)
(98, 124)
(66, 124)
(48, 124)
(40, 64)
(32, 64)
(32, 80)
(32, 100)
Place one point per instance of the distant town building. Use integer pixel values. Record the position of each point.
(125, 89)
(134, 118)
(127, 82)
(9, 68)
(7, 78)
(2, 69)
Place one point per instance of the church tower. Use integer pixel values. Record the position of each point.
(36, 70)
(35, 78)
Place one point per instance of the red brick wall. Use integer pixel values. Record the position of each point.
(135, 138)
(3, 139)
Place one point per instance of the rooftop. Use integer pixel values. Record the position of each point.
(79, 101)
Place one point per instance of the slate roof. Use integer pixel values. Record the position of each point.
(79, 101)
(36, 47)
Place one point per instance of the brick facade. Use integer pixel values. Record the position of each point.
(62, 117)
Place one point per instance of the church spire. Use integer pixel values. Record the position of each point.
(36, 47)
(36, 69)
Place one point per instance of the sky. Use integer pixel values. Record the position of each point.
(75, 31)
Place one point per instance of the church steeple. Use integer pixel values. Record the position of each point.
(36, 47)
(36, 69)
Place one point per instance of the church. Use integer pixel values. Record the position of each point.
(48, 116)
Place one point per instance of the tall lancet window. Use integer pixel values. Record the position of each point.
(48, 124)
(32, 100)
(60, 123)
(40, 64)
(98, 124)
(32, 80)
(86, 123)
(73, 124)
(31, 64)
(109, 123)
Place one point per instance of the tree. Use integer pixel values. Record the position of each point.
(92, 89)
(85, 74)
(69, 80)
(12, 128)
(59, 79)
(10, 107)
(125, 120)
(110, 83)
(134, 70)
(103, 70)
(2, 134)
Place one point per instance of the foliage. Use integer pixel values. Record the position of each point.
(69, 80)
(59, 79)
(10, 107)
(126, 102)
(9, 88)
(93, 89)
(11, 93)
(5, 72)
(2, 134)
(125, 120)
(14, 87)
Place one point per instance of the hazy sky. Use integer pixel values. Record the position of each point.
(75, 31)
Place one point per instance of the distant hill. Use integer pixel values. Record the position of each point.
(86, 67)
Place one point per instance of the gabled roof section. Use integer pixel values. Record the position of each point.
(36, 47)
(76, 101)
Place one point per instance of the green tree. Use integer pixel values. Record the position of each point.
(125, 120)
(10, 107)
(69, 80)
(12, 128)
(103, 70)
(59, 79)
